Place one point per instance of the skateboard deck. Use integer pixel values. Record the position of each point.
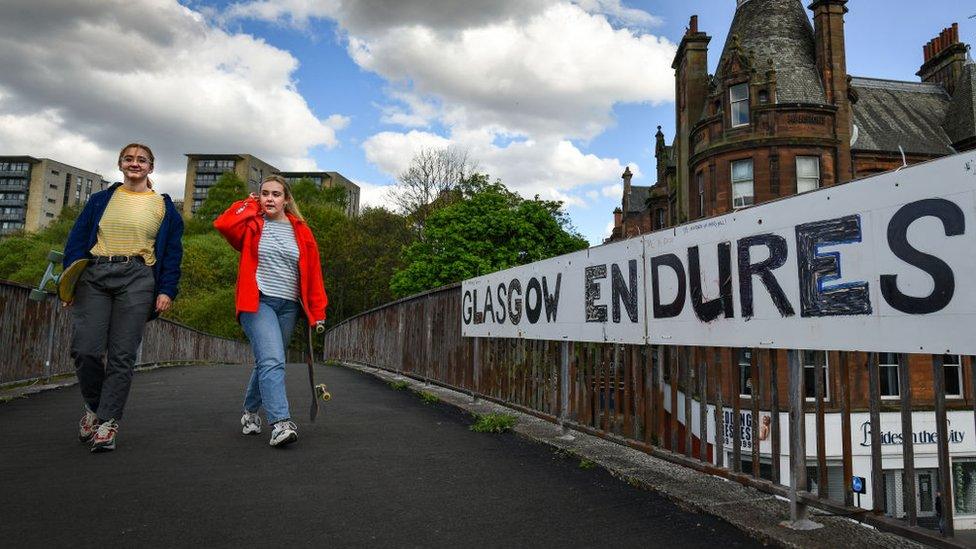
(69, 278)
(64, 281)
(320, 390)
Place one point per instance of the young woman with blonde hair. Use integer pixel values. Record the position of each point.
(279, 275)
(132, 238)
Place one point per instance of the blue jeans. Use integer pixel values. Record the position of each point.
(269, 330)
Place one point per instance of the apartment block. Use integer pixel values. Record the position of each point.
(203, 171)
(33, 191)
(329, 180)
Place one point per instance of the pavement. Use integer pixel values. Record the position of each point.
(379, 468)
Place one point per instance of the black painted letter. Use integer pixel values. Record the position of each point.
(709, 310)
(625, 292)
(747, 269)
(945, 283)
(815, 268)
(594, 313)
(674, 308)
(552, 300)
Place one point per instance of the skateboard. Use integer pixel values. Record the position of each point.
(320, 390)
(64, 281)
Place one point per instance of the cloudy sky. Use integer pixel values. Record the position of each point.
(555, 97)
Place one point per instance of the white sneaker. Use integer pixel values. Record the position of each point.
(284, 432)
(87, 426)
(251, 423)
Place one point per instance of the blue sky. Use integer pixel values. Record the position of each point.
(555, 97)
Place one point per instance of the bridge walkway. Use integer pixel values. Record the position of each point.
(379, 468)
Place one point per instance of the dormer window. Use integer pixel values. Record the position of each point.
(739, 102)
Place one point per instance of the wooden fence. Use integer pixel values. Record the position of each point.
(35, 341)
(685, 403)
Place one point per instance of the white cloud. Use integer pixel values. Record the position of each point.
(521, 76)
(613, 191)
(374, 195)
(608, 229)
(86, 78)
(520, 84)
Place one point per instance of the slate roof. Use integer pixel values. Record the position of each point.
(960, 122)
(638, 198)
(889, 113)
(779, 30)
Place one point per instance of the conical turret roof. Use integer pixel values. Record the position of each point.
(778, 31)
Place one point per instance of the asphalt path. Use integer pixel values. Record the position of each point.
(379, 468)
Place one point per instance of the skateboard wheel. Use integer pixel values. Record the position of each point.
(323, 392)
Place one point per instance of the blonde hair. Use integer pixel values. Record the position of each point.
(290, 205)
(149, 153)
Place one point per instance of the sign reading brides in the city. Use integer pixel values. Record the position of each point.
(885, 263)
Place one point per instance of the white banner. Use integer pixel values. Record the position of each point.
(885, 263)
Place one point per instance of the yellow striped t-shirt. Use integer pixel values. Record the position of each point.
(129, 225)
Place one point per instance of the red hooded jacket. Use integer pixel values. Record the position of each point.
(241, 225)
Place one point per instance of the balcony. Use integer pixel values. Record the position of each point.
(19, 216)
(14, 173)
(214, 169)
(14, 186)
(12, 201)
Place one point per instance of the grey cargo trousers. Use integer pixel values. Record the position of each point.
(112, 303)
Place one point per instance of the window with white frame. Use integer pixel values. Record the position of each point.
(810, 361)
(807, 173)
(739, 102)
(952, 367)
(745, 372)
(742, 188)
(888, 372)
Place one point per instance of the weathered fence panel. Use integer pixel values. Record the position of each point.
(35, 341)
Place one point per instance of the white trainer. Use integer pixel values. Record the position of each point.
(284, 432)
(251, 423)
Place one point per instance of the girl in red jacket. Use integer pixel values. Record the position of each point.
(278, 276)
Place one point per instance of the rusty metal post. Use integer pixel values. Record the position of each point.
(874, 402)
(908, 446)
(942, 431)
(476, 366)
(798, 454)
(774, 413)
(401, 338)
(564, 391)
(50, 341)
(719, 411)
(845, 424)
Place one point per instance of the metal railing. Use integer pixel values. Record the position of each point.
(687, 405)
(36, 339)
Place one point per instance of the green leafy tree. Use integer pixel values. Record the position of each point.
(360, 262)
(228, 189)
(23, 256)
(486, 228)
(207, 286)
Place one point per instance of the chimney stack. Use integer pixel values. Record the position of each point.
(828, 31)
(943, 58)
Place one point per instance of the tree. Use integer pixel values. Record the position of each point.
(359, 264)
(23, 256)
(488, 228)
(228, 189)
(431, 174)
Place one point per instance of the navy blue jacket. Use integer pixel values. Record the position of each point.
(169, 240)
